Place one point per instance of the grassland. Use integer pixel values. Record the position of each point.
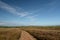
(39, 32)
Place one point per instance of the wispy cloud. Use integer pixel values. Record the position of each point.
(15, 11)
(12, 9)
(2, 23)
(6, 23)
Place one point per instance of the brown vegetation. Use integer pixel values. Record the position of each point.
(38, 33)
(9, 34)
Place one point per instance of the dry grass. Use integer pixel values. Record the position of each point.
(44, 34)
(9, 34)
(38, 32)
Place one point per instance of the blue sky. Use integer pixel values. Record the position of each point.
(29, 12)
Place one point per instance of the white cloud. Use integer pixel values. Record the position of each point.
(5, 23)
(12, 10)
(2, 23)
(17, 11)
(32, 18)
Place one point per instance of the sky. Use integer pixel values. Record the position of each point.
(29, 12)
